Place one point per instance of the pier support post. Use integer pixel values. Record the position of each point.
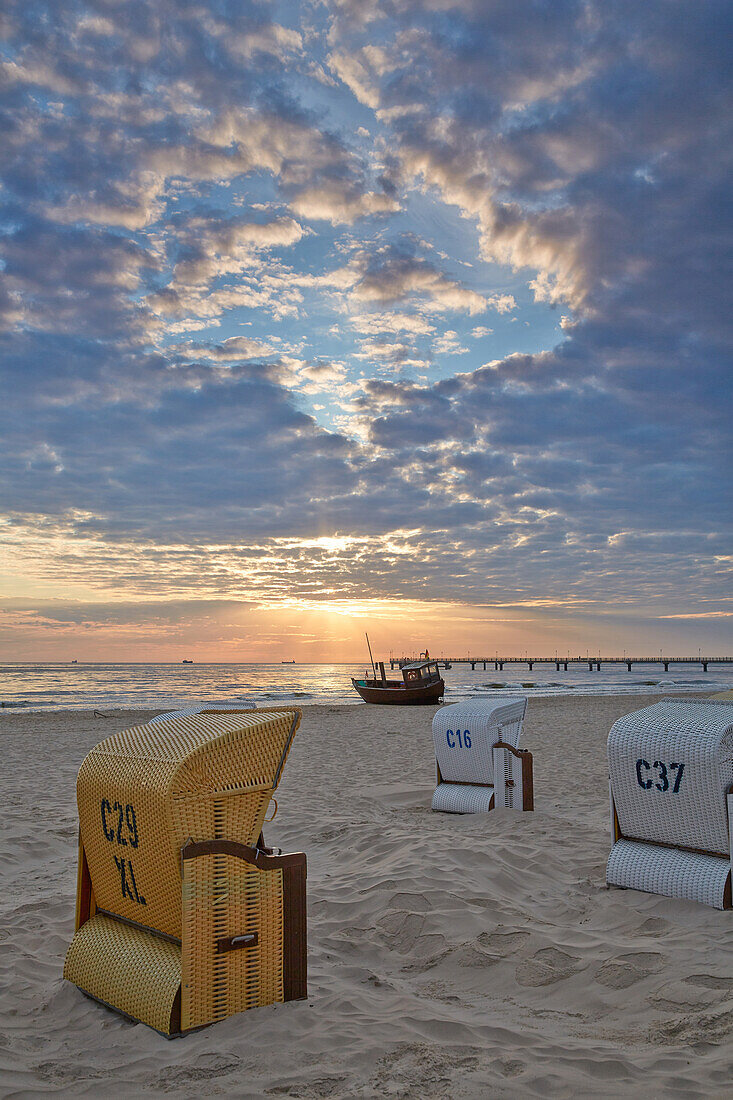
(484, 666)
(473, 666)
(666, 666)
(530, 663)
(501, 666)
(590, 666)
(704, 666)
(565, 665)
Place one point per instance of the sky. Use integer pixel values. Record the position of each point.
(402, 315)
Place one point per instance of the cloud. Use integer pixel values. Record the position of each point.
(45, 264)
(272, 39)
(448, 344)
(231, 350)
(209, 247)
(397, 273)
(394, 321)
(352, 71)
(340, 203)
(502, 303)
(396, 354)
(190, 168)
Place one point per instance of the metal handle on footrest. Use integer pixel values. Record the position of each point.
(233, 943)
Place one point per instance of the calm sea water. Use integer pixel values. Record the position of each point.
(87, 686)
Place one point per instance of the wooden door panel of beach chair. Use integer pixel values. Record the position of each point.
(225, 900)
(513, 777)
(242, 924)
(144, 795)
(670, 775)
(478, 762)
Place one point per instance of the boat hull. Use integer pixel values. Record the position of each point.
(399, 695)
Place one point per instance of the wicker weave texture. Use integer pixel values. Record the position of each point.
(214, 708)
(225, 897)
(649, 746)
(462, 798)
(201, 708)
(143, 792)
(486, 721)
(134, 971)
(508, 779)
(668, 871)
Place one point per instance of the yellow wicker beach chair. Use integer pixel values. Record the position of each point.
(183, 916)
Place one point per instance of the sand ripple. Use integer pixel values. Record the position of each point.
(449, 956)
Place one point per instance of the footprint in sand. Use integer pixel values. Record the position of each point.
(624, 970)
(547, 966)
(403, 933)
(207, 1068)
(410, 903)
(509, 1067)
(503, 943)
(697, 1028)
(654, 926)
(682, 995)
(324, 1086)
(710, 981)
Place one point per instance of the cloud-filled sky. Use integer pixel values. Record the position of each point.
(410, 313)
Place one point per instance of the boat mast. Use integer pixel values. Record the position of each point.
(374, 671)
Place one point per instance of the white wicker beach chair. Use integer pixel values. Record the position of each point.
(671, 786)
(478, 760)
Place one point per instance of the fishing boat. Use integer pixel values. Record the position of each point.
(421, 683)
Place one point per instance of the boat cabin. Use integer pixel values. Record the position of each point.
(417, 673)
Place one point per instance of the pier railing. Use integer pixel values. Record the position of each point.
(563, 662)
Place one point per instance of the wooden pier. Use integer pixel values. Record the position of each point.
(563, 662)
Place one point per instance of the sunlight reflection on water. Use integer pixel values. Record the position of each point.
(85, 686)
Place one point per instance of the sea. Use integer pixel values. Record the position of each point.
(87, 686)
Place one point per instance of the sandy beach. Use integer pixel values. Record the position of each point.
(448, 956)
